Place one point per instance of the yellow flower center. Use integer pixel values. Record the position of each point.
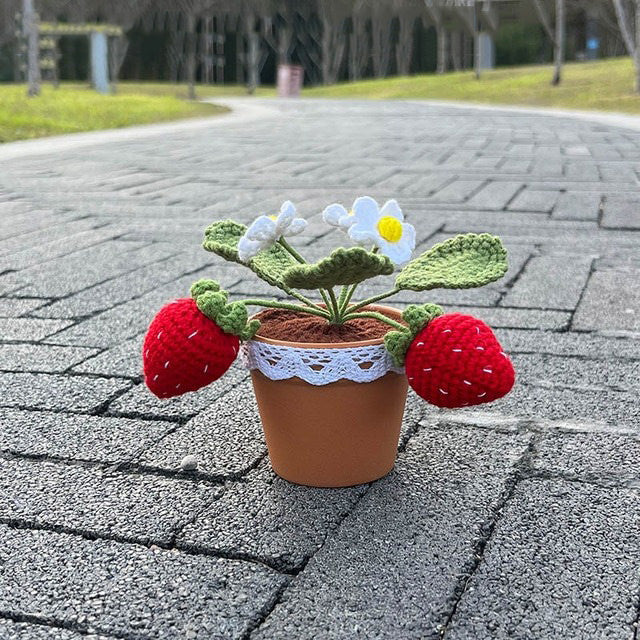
(390, 228)
(274, 217)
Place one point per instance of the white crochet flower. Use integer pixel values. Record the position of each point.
(337, 216)
(385, 228)
(265, 231)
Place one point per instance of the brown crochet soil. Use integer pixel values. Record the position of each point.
(292, 326)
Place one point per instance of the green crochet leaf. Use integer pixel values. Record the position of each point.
(342, 266)
(230, 317)
(397, 343)
(469, 260)
(418, 316)
(200, 286)
(222, 238)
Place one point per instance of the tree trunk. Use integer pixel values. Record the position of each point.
(442, 49)
(30, 29)
(404, 46)
(558, 45)
(253, 61)
(191, 54)
(358, 48)
(456, 50)
(636, 56)
(117, 53)
(325, 43)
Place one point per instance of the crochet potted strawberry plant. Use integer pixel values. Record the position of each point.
(330, 374)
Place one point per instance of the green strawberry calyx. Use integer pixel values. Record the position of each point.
(417, 317)
(231, 317)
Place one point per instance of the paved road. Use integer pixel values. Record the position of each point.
(517, 520)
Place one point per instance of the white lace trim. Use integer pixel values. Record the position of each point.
(318, 366)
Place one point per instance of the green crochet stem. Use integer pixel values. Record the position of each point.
(275, 304)
(349, 291)
(337, 319)
(306, 300)
(292, 251)
(372, 299)
(377, 316)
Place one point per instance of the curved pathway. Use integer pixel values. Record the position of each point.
(516, 520)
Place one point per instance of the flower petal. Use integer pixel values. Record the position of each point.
(248, 248)
(365, 209)
(392, 208)
(333, 213)
(289, 208)
(285, 218)
(397, 252)
(347, 221)
(364, 235)
(261, 229)
(298, 225)
(409, 234)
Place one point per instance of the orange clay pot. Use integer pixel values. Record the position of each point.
(335, 435)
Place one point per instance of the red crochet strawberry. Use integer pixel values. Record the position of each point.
(456, 361)
(193, 341)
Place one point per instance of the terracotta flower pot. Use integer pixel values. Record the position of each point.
(332, 435)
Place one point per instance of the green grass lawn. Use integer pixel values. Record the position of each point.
(604, 85)
(203, 91)
(76, 108)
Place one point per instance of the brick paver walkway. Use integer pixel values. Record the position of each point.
(516, 520)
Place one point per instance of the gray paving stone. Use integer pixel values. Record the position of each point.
(550, 282)
(576, 406)
(534, 200)
(40, 228)
(568, 343)
(597, 457)
(577, 373)
(563, 562)
(123, 360)
(393, 568)
(89, 267)
(126, 287)
(140, 401)
(30, 328)
(91, 438)
(130, 590)
(40, 357)
(136, 507)
(271, 519)
(577, 206)
(51, 250)
(15, 307)
(611, 301)
(226, 439)
(126, 320)
(621, 213)
(10, 283)
(514, 318)
(57, 392)
(496, 195)
(457, 191)
(26, 631)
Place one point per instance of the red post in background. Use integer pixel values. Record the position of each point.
(290, 77)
